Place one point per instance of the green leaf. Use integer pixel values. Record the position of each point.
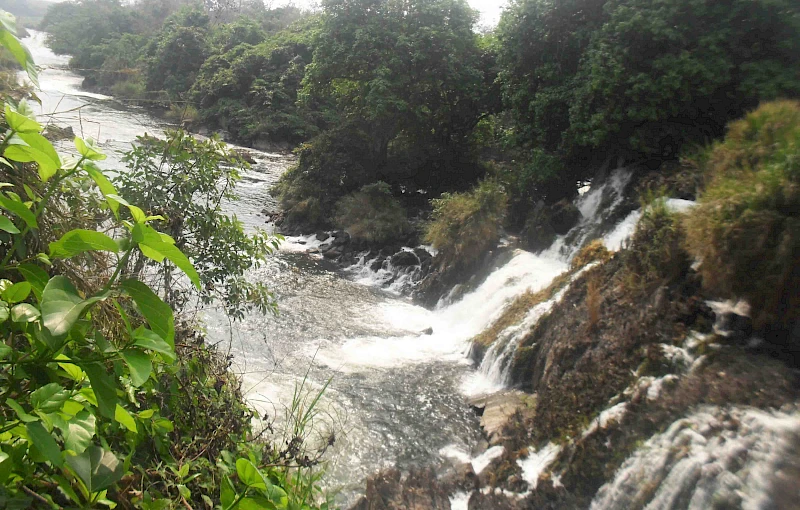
(8, 226)
(18, 208)
(79, 241)
(139, 364)
(106, 188)
(33, 147)
(175, 256)
(158, 314)
(19, 122)
(80, 431)
(24, 312)
(62, 306)
(21, 54)
(44, 442)
(4, 312)
(250, 475)
(97, 468)
(256, 502)
(104, 388)
(147, 339)
(88, 149)
(21, 414)
(278, 496)
(66, 487)
(5, 351)
(17, 292)
(227, 493)
(124, 418)
(36, 276)
(136, 213)
(49, 398)
(73, 371)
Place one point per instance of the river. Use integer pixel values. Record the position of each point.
(395, 397)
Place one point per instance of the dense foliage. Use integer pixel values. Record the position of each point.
(373, 215)
(746, 230)
(465, 225)
(107, 399)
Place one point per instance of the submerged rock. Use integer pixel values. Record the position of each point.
(390, 490)
(404, 259)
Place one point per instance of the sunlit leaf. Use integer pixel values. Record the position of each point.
(16, 293)
(88, 149)
(124, 418)
(20, 209)
(62, 306)
(8, 226)
(80, 431)
(79, 241)
(24, 312)
(49, 398)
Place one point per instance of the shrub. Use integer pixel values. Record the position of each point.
(657, 254)
(466, 225)
(372, 214)
(593, 251)
(746, 230)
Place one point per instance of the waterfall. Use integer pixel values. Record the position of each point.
(714, 458)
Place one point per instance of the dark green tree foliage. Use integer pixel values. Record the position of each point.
(252, 91)
(411, 71)
(175, 57)
(541, 43)
(662, 73)
(593, 81)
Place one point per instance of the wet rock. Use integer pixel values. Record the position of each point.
(404, 259)
(428, 331)
(389, 490)
(341, 238)
(55, 133)
(563, 216)
(538, 234)
(497, 409)
(495, 501)
(424, 256)
(245, 156)
(377, 264)
(333, 253)
(321, 235)
(325, 247)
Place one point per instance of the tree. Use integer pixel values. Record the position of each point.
(185, 182)
(663, 73)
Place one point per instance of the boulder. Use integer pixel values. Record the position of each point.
(342, 239)
(563, 216)
(322, 235)
(245, 156)
(427, 331)
(405, 259)
(377, 264)
(424, 256)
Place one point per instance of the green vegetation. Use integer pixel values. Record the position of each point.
(371, 214)
(466, 225)
(186, 182)
(746, 230)
(107, 399)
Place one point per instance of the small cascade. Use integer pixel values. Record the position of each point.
(397, 274)
(714, 458)
(600, 208)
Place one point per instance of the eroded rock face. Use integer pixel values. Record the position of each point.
(390, 490)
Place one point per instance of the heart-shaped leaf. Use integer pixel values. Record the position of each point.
(97, 468)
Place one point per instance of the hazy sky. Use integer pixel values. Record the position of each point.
(490, 9)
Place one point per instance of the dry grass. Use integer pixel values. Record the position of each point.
(595, 251)
(593, 298)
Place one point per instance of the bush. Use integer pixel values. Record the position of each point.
(593, 251)
(657, 254)
(466, 225)
(372, 214)
(746, 230)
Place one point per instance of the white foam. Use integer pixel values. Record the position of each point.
(479, 463)
(537, 462)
